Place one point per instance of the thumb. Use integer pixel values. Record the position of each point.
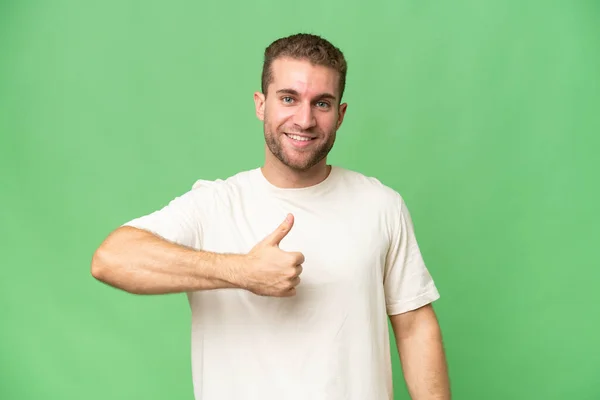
(281, 231)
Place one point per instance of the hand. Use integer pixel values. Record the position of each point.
(270, 271)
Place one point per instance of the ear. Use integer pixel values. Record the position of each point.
(259, 104)
(341, 114)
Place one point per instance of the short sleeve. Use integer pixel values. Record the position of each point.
(407, 282)
(180, 221)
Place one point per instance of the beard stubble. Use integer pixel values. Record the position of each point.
(311, 156)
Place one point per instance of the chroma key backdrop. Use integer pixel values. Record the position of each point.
(485, 116)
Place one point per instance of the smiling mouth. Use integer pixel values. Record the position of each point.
(299, 138)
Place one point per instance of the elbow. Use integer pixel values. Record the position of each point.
(108, 263)
(103, 260)
(104, 264)
(99, 268)
(106, 271)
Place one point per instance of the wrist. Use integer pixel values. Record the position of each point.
(228, 269)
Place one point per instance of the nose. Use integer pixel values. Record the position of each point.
(304, 117)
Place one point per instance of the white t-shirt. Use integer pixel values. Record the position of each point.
(331, 340)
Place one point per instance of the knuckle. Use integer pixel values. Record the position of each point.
(291, 260)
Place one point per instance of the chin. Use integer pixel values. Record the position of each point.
(300, 165)
(295, 165)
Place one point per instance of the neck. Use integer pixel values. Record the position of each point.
(282, 176)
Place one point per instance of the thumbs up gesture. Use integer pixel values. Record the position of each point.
(270, 271)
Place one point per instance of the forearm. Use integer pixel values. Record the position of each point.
(424, 366)
(142, 263)
(420, 347)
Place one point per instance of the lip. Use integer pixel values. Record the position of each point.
(298, 143)
(300, 134)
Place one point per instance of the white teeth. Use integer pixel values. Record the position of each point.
(299, 138)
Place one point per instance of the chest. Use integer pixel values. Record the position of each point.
(344, 244)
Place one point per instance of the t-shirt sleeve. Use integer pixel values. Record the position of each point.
(407, 282)
(180, 221)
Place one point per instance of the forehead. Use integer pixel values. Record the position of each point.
(303, 77)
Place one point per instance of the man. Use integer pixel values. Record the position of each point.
(291, 269)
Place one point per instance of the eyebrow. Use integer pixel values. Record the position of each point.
(319, 96)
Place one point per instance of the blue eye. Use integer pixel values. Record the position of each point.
(322, 104)
(287, 99)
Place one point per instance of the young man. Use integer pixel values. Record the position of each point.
(291, 269)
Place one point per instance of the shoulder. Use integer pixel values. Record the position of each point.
(240, 178)
(222, 189)
(370, 189)
(377, 200)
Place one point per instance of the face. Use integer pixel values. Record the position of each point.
(301, 113)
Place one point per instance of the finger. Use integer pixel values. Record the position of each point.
(281, 231)
(295, 258)
(295, 282)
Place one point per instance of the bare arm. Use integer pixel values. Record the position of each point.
(421, 351)
(140, 262)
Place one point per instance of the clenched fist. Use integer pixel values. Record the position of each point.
(270, 271)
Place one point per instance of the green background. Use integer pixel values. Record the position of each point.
(485, 116)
